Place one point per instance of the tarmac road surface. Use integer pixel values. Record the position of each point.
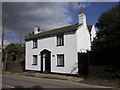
(14, 81)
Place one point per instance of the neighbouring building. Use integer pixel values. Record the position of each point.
(57, 50)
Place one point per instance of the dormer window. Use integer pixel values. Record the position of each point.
(60, 40)
(35, 43)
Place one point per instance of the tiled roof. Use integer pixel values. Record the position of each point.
(53, 32)
(56, 31)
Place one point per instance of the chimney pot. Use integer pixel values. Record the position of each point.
(36, 30)
(81, 12)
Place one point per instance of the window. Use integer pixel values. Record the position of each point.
(60, 60)
(34, 59)
(35, 43)
(60, 40)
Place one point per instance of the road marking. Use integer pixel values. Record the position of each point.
(6, 86)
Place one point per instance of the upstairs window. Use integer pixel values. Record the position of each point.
(34, 59)
(35, 43)
(60, 60)
(60, 40)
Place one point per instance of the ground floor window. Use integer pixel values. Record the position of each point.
(34, 59)
(60, 60)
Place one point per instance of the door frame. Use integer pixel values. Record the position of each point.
(48, 57)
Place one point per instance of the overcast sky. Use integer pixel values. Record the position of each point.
(20, 17)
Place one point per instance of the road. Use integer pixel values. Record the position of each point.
(14, 81)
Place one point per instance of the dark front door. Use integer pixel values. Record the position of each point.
(83, 68)
(46, 61)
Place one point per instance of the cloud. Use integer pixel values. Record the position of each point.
(79, 5)
(21, 17)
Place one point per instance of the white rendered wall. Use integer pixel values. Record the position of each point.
(29, 57)
(83, 39)
(83, 36)
(69, 50)
(93, 33)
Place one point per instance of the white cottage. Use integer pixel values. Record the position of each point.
(57, 50)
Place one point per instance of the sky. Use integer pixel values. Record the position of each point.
(21, 17)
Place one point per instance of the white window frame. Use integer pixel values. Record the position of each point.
(60, 60)
(35, 60)
(60, 40)
(35, 43)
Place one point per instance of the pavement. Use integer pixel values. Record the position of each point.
(49, 76)
(31, 80)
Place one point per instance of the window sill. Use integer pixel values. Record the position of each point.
(60, 66)
(59, 45)
(34, 64)
(34, 47)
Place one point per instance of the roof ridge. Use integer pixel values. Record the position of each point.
(54, 31)
(60, 27)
